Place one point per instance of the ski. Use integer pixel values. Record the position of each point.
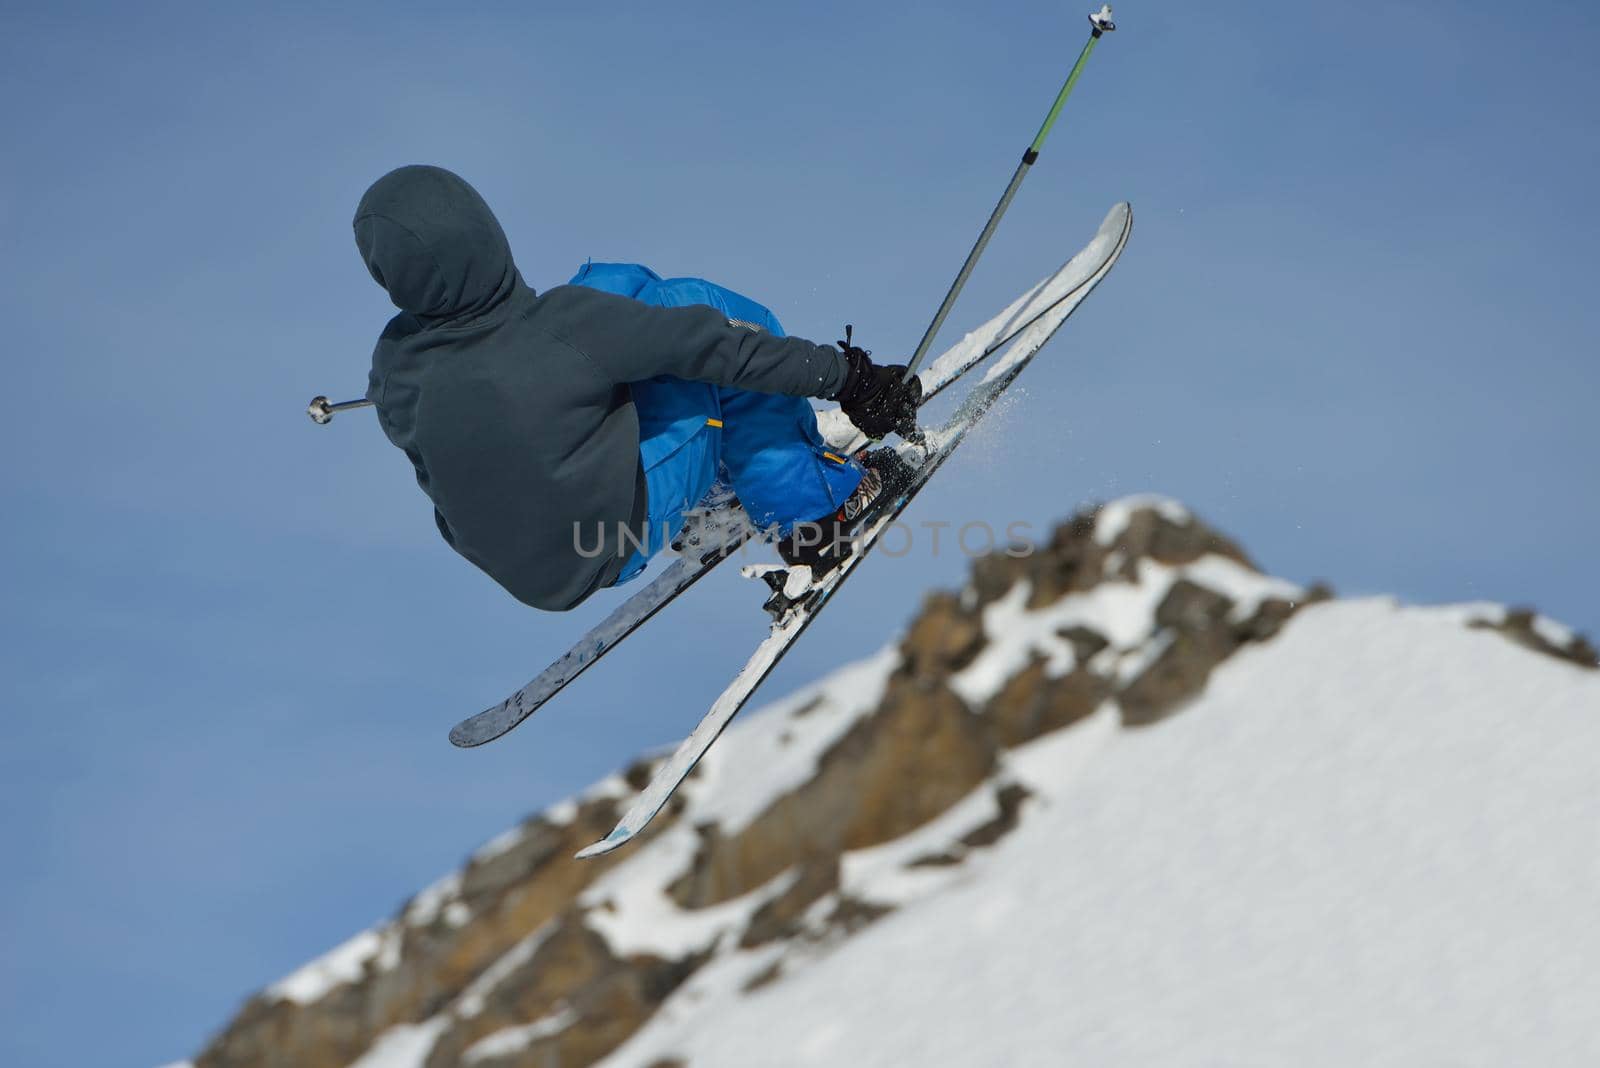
(723, 530)
(723, 535)
(799, 608)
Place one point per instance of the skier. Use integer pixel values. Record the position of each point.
(562, 436)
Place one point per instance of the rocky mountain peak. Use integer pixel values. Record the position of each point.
(811, 821)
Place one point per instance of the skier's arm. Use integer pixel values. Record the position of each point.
(629, 341)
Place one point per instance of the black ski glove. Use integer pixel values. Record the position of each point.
(878, 400)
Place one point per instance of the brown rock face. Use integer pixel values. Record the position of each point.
(943, 639)
(520, 890)
(1151, 535)
(1194, 622)
(1518, 626)
(282, 1034)
(573, 973)
(1194, 625)
(1177, 674)
(817, 878)
(1009, 798)
(1032, 703)
(891, 773)
(1070, 562)
(1074, 561)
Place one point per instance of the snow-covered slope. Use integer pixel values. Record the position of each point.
(1376, 840)
(1124, 801)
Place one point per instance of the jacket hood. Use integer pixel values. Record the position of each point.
(429, 239)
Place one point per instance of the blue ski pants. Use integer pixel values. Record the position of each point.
(764, 445)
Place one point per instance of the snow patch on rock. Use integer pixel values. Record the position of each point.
(512, 1040)
(427, 907)
(405, 1046)
(1111, 522)
(1246, 588)
(631, 908)
(345, 963)
(500, 845)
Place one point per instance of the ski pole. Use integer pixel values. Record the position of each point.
(1100, 23)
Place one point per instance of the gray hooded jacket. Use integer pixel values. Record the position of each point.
(513, 406)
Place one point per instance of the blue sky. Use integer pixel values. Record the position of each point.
(1356, 328)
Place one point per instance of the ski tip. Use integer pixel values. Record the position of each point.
(463, 738)
(611, 841)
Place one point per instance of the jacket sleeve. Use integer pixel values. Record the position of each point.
(629, 341)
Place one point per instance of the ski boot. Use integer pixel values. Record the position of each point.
(824, 544)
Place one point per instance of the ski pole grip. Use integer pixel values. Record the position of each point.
(322, 413)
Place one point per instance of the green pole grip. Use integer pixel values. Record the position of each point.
(1066, 91)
